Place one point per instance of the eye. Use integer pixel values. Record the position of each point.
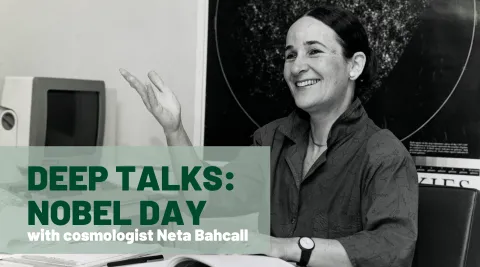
(314, 51)
(289, 56)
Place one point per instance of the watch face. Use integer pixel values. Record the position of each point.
(306, 243)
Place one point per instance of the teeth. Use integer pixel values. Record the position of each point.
(306, 83)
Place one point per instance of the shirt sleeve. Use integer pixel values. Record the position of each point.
(251, 187)
(389, 209)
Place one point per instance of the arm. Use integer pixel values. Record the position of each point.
(249, 180)
(389, 208)
(327, 252)
(162, 103)
(182, 156)
(250, 185)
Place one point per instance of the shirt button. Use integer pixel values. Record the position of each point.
(294, 220)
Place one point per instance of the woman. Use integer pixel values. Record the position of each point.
(347, 187)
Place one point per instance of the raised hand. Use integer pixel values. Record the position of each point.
(159, 100)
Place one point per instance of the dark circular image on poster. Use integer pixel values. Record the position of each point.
(250, 39)
(429, 75)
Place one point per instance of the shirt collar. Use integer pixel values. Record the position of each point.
(297, 124)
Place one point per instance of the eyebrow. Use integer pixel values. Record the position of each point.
(288, 47)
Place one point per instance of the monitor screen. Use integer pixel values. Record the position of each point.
(72, 118)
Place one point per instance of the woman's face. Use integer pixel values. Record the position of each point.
(315, 69)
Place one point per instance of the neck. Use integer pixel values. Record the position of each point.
(321, 121)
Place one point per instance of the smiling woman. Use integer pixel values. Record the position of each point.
(343, 191)
(322, 72)
(347, 170)
(323, 55)
(246, 53)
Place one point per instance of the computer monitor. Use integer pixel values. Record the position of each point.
(40, 111)
(53, 112)
(57, 112)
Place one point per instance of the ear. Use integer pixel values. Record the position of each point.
(357, 64)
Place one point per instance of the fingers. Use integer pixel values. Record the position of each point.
(157, 81)
(137, 85)
(132, 80)
(152, 98)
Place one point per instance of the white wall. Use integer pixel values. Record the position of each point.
(91, 39)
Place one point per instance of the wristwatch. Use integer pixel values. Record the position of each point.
(306, 244)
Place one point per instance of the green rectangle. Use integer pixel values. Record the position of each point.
(133, 200)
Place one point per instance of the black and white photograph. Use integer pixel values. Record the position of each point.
(426, 92)
(368, 110)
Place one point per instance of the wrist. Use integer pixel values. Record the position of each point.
(176, 132)
(292, 251)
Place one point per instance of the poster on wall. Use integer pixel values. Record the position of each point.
(448, 172)
(430, 98)
(427, 91)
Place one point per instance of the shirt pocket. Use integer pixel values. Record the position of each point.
(341, 225)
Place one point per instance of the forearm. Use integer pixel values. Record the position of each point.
(391, 245)
(327, 252)
(178, 137)
(182, 153)
(250, 182)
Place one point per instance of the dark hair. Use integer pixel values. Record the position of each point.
(353, 38)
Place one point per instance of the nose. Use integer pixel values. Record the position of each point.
(299, 66)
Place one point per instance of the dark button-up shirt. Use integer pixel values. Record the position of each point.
(362, 191)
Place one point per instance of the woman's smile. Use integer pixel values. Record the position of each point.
(306, 83)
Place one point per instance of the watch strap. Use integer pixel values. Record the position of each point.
(305, 255)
